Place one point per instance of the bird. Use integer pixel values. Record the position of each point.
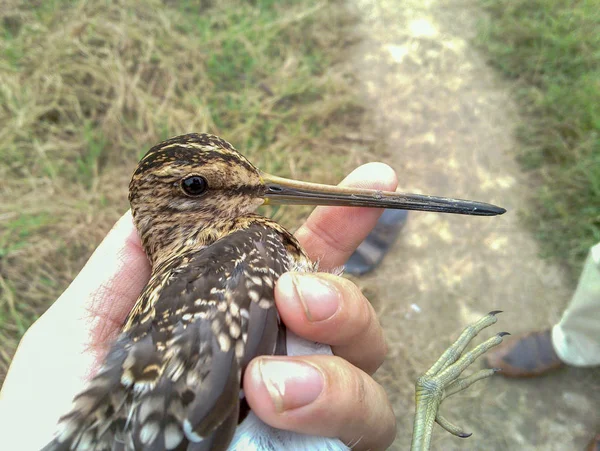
(172, 378)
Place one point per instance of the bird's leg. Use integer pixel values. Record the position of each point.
(442, 380)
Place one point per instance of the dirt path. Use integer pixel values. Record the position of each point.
(448, 123)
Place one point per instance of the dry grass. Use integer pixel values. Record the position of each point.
(87, 87)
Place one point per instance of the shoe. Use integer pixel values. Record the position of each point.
(529, 355)
(594, 445)
(377, 244)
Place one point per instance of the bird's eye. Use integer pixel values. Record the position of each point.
(194, 185)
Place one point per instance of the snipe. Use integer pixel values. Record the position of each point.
(172, 378)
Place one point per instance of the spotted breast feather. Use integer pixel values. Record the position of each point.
(172, 379)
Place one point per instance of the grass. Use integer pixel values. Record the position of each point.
(87, 87)
(551, 49)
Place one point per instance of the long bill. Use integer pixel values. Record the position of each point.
(279, 190)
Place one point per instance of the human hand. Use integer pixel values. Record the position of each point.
(66, 345)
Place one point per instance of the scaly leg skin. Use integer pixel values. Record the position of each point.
(442, 380)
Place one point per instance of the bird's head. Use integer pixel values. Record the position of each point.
(196, 175)
(199, 182)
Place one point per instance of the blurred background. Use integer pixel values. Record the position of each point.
(493, 100)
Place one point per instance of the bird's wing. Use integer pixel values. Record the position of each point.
(222, 314)
(172, 380)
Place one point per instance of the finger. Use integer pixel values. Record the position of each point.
(320, 395)
(331, 234)
(332, 310)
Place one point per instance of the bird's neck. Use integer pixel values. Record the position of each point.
(164, 237)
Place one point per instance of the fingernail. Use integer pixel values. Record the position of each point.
(319, 298)
(291, 384)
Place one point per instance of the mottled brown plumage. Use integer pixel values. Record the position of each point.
(172, 378)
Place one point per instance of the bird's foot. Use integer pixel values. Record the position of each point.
(443, 380)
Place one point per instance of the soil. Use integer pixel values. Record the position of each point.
(448, 122)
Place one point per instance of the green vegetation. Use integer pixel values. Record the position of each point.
(551, 48)
(87, 87)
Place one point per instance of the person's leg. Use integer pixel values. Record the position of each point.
(576, 338)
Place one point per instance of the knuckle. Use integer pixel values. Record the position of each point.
(351, 393)
(385, 347)
(364, 404)
(359, 390)
(381, 355)
(387, 421)
(361, 311)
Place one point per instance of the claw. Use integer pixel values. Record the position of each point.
(443, 380)
(453, 429)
